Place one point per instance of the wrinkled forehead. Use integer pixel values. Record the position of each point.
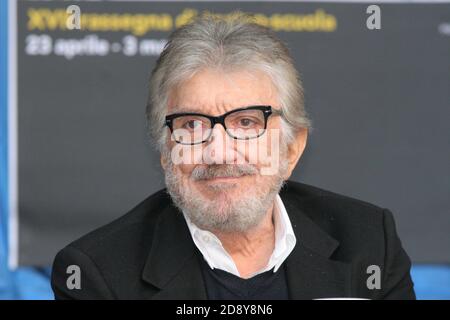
(214, 92)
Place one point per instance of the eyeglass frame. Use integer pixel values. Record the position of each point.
(266, 109)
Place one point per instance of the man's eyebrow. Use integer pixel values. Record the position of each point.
(184, 110)
(179, 109)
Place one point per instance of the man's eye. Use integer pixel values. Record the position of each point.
(193, 124)
(245, 122)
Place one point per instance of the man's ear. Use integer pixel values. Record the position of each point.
(295, 150)
(164, 161)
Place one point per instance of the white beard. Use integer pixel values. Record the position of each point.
(225, 213)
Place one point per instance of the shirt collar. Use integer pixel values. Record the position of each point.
(217, 257)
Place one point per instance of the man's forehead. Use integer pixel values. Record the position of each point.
(212, 93)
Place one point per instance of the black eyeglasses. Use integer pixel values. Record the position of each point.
(243, 124)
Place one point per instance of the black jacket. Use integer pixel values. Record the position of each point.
(149, 253)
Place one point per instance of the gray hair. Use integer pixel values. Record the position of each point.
(234, 43)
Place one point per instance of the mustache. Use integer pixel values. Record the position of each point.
(223, 170)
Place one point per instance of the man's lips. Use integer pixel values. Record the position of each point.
(223, 178)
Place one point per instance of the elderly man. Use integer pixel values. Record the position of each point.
(226, 113)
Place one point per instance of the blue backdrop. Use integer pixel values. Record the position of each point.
(24, 283)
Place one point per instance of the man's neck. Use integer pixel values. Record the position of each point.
(251, 250)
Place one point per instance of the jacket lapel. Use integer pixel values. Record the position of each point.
(310, 272)
(172, 265)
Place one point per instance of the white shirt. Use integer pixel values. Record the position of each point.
(217, 257)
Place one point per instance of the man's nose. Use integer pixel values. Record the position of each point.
(219, 147)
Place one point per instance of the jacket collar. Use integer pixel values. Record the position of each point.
(311, 274)
(173, 266)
